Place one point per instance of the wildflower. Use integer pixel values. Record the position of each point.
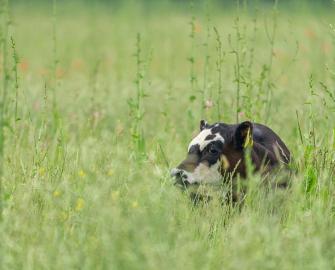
(60, 73)
(81, 173)
(197, 27)
(41, 171)
(209, 104)
(134, 204)
(56, 193)
(79, 204)
(241, 114)
(110, 172)
(310, 33)
(115, 195)
(77, 64)
(23, 65)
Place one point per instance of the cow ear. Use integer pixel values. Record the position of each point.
(243, 135)
(203, 124)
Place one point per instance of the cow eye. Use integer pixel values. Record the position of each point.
(213, 151)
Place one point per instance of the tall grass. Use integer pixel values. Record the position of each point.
(219, 63)
(5, 80)
(136, 104)
(105, 112)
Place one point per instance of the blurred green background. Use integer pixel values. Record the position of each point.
(102, 99)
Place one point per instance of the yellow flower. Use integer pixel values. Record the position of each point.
(110, 173)
(115, 195)
(41, 171)
(80, 204)
(81, 173)
(134, 204)
(56, 193)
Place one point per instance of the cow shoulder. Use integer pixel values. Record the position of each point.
(268, 139)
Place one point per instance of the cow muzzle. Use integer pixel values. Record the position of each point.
(181, 177)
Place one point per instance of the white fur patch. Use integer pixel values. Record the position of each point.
(204, 174)
(200, 139)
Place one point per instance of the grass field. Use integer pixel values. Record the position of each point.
(99, 102)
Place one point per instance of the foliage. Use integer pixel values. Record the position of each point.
(98, 103)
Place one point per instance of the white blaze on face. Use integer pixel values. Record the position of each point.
(200, 139)
(203, 173)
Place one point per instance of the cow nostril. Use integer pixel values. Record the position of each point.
(181, 176)
(175, 172)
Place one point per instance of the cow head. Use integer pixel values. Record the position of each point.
(216, 150)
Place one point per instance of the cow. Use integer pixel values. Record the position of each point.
(219, 150)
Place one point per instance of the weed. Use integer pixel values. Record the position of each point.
(80, 193)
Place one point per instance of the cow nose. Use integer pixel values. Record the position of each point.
(175, 172)
(180, 175)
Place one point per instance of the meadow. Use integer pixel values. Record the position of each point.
(99, 102)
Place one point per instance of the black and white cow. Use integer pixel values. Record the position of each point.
(219, 150)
